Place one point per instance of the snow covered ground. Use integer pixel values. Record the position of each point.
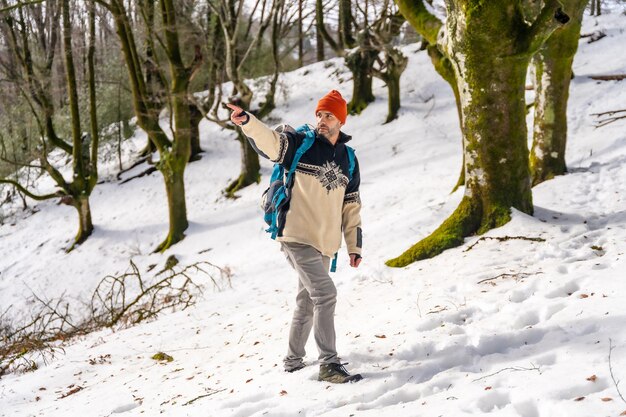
(514, 328)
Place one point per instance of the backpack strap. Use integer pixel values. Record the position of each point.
(309, 138)
(351, 161)
(279, 197)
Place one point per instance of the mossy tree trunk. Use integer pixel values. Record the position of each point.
(361, 64)
(395, 64)
(173, 154)
(490, 46)
(553, 72)
(84, 150)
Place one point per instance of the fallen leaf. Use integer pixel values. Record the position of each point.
(592, 378)
(487, 388)
(256, 343)
(249, 380)
(283, 392)
(605, 399)
(380, 336)
(72, 391)
(579, 399)
(584, 296)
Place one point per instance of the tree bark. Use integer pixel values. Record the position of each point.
(322, 32)
(177, 208)
(250, 168)
(553, 72)
(175, 154)
(490, 63)
(195, 117)
(345, 24)
(395, 63)
(80, 186)
(319, 40)
(85, 224)
(300, 36)
(361, 62)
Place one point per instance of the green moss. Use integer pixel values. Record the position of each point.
(161, 356)
(495, 217)
(463, 222)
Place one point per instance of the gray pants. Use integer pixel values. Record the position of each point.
(315, 305)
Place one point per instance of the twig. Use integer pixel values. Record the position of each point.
(610, 112)
(611, 370)
(614, 77)
(521, 275)
(505, 238)
(610, 119)
(513, 369)
(203, 396)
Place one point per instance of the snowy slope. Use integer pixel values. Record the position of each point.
(514, 328)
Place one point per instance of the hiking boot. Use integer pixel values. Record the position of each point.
(337, 374)
(296, 368)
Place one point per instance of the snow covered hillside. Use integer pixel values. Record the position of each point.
(502, 328)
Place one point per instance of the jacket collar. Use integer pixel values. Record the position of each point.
(343, 138)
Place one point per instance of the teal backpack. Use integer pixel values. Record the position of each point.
(279, 191)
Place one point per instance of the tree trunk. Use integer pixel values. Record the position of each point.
(393, 86)
(395, 63)
(80, 156)
(490, 63)
(300, 36)
(175, 190)
(361, 63)
(195, 116)
(345, 24)
(321, 29)
(250, 168)
(553, 72)
(319, 40)
(85, 225)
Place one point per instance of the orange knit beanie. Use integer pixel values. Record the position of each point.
(334, 103)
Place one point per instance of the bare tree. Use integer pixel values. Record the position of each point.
(391, 62)
(34, 22)
(173, 153)
(235, 29)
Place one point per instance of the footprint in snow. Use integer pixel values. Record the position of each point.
(564, 291)
(493, 401)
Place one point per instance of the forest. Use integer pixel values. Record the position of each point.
(490, 139)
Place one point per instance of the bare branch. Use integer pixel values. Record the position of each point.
(616, 383)
(31, 195)
(19, 5)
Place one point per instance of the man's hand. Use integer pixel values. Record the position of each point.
(238, 116)
(355, 260)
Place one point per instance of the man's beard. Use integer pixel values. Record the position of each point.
(330, 133)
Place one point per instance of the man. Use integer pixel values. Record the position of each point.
(324, 201)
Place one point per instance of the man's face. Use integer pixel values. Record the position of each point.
(327, 124)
